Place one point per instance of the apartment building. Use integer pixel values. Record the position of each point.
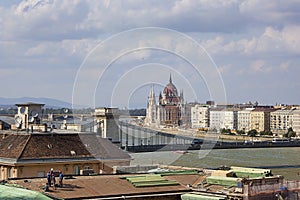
(220, 118)
(230, 120)
(216, 118)
(244, 119)
(200, 116)
(295, 121)
(260, 119)
(280, 121)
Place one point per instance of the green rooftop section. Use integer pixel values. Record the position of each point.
(178, 172)
(192, 196)
(246, 172)
(149, 180)
(12, 192)
(220, 180)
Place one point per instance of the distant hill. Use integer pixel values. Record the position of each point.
(49, 103)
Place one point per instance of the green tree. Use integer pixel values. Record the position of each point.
(224, 131)
(265, 133)
(290, 133)
(252, 133)
(240, 132)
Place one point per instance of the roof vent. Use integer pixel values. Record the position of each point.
(50, 146)
(9, 146)
(73, 153)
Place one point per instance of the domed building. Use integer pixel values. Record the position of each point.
(170, 108)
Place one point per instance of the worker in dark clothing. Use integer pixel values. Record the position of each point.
(61, 177)
(49, 179)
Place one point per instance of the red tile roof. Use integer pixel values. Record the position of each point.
(11, 145)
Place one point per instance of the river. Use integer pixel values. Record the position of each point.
(283, 161)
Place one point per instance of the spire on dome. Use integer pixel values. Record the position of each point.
(170, 78)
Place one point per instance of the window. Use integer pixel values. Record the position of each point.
(76, 170)
(10, 172)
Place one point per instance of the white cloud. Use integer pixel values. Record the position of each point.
(260, 66)
(250, 37)
(79, 48)
(270, 12)
(61, 19)
(284, 66)
(271, 41)
(225, 68)
(285, 40)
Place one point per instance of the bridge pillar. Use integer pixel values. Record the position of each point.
(126, 138)
(109, 128)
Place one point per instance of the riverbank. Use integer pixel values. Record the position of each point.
(218, 136)
(281, 158)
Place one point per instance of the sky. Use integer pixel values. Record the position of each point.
(112, 52)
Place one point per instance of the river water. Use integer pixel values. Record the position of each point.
(283, 161)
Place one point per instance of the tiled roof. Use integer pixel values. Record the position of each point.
(11, 145)
(58, 146)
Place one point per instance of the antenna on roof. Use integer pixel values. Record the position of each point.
(66, 110)
(18, 121)
(34, 113)
(31, 119)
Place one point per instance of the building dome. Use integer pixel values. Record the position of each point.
(170, 94)
(170, 89)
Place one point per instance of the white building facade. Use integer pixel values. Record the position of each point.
(216, 118)
(230, 120)
(244, 119)
(295, 115)
(200, 116)
(280, 121)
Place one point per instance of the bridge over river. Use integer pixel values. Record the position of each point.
(135, 138)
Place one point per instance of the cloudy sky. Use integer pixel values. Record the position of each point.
(103, 53)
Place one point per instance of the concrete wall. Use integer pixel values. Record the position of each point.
(40, 170)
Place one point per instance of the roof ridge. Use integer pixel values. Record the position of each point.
(21, 153)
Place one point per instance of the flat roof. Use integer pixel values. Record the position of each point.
(29, 104)
(105, 186)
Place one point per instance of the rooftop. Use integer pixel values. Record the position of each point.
(137, 186)
(7, 119)
(30, 104)
(105, 186)
(22, 147)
